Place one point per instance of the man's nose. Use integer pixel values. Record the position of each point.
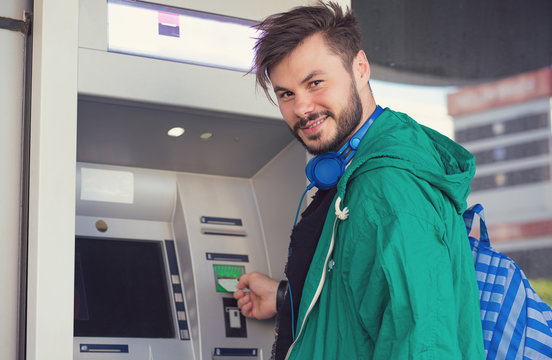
(303, 105)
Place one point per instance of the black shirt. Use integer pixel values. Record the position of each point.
(304, 239)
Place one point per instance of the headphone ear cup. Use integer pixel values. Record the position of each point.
(324, 171)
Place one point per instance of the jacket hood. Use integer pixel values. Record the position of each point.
(396, 140)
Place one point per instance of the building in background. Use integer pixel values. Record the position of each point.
(506, 124)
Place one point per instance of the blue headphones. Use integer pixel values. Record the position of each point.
(325, 170)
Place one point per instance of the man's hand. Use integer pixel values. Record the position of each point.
(260, 301)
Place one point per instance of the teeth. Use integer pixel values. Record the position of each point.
(316, 123)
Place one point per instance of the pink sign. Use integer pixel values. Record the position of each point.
(515, 89)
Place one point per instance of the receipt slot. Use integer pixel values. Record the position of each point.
(234, 321)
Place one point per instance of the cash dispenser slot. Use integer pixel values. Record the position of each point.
(211, 230)
(222, 226)
(221, 221)
(226, 257)
(235, 353)
(104, 348)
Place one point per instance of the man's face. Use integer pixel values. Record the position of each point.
(317, 96)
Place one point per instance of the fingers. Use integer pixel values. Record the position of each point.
(245, 300)
(246, 307)
(244, 281)
(256, 295)
(238, 294)
(244, 303)
(241, 296)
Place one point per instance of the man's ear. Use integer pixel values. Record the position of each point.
(361, 68)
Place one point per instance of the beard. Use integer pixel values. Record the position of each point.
(347, 121)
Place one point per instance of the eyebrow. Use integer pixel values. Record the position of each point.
(306, 79)
(310, 76)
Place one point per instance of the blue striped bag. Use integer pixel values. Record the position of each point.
(517, 323)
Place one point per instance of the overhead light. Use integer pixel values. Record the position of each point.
(175, 131)
(206, 136)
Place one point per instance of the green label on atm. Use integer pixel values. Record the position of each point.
(226, 277)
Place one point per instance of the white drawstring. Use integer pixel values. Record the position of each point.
(328, 266)
(341, 214)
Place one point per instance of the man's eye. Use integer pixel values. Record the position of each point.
(316, 83)
(286, 94)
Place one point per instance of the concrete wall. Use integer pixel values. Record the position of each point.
(52, 180)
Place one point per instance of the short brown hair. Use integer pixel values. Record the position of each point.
(282, 33)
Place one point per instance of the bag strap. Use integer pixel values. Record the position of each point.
(468, 220)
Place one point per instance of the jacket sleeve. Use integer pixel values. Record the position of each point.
(399, 277)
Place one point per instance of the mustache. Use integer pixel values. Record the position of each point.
(313, 116)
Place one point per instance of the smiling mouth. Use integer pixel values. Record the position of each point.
(311, 128)
(311, 124)
(315, 124)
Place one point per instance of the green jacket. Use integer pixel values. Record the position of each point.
(394, 278)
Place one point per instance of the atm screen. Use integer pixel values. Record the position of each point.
(121, 289)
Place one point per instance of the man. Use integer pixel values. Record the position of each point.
(380, 266)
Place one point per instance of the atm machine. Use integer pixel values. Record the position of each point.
(165, 226)
(157, 258)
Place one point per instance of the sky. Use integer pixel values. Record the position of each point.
(425, 104)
